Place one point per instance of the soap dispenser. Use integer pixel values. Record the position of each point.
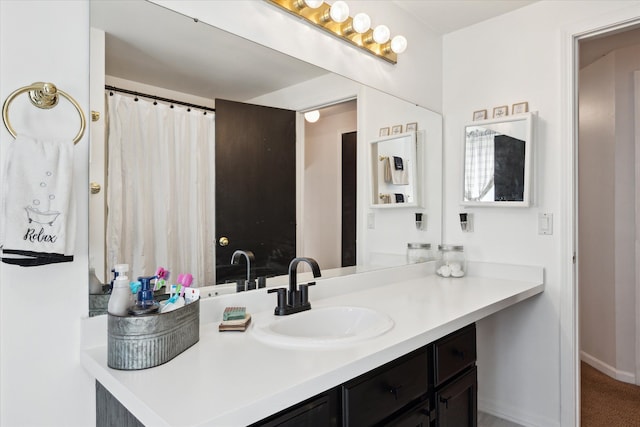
(145, 303)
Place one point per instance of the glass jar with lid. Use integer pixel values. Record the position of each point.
(419, 252)
(451, 261)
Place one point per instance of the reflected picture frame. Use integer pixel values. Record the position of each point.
(396, 129)
(384, 132)
(480, 115)
(411, 127)
(500, 111)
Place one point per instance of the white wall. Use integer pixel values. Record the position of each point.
(607, 213)
(521, 56)
(41, 307)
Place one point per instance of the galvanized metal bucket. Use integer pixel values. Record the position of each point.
(140, 342)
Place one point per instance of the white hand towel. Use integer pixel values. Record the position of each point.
(39, 207)
(399, 176)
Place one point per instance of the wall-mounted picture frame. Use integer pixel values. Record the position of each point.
(396, 129)
(411, 127)
(480, 115)
(520, 107)
(501, 111)
(384, 131)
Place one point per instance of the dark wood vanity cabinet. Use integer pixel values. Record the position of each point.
(434, 386)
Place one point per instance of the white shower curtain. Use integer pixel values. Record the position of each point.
(160, 192)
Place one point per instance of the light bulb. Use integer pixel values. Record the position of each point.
(312, 116)
(398, 44)
(313, 4)
(381, 34)
(339, 11)
(361, 23)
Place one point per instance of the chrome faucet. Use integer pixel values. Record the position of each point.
(235, 259)
(296, 300)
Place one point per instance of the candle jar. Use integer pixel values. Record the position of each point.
(418, 252)
(451, 261)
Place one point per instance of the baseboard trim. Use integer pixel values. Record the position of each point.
(624, 376)
(515, 415)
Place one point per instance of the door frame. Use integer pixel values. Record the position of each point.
(636, 79)
(569, 307)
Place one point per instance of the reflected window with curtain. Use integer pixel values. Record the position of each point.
(160, 192)
(479, 165)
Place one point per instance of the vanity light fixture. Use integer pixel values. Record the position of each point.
(312, 116)
(334, 18)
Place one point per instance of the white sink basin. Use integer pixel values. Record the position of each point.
(321, 327)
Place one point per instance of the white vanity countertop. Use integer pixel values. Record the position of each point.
(232, 379)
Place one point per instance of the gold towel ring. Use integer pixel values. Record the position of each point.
(43, 95)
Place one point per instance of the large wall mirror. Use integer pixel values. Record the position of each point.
(150, 49)
(497, 162)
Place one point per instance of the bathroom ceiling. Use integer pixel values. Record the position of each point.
(140, 48)
(445, 16)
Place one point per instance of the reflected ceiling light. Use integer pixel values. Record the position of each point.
(339, 11)
(381, 34)
(361, 23)
(334, 18)
(312, 116)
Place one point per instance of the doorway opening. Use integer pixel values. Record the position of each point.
(327, 222)
(607, 211)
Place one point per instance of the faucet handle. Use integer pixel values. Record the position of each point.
(282, 300)
(304, 292)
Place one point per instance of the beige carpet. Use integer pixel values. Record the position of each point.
(608, 402)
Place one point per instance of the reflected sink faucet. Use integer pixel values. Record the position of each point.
(235, 259)
(296, 300)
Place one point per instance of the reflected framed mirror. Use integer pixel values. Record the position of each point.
(395, 171)
(498, 162)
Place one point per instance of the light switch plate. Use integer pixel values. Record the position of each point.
(545, 223)
(371, 220)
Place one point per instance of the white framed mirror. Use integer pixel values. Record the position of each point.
(395, 170)
(498, 162)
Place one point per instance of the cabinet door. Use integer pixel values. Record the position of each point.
(457, 402)
(320, 411)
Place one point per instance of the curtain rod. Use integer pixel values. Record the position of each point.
(158, 98)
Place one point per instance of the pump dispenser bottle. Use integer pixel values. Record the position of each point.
(120, 299)
(145, 304)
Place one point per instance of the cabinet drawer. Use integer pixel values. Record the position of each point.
(373, 397)
(454, 353)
